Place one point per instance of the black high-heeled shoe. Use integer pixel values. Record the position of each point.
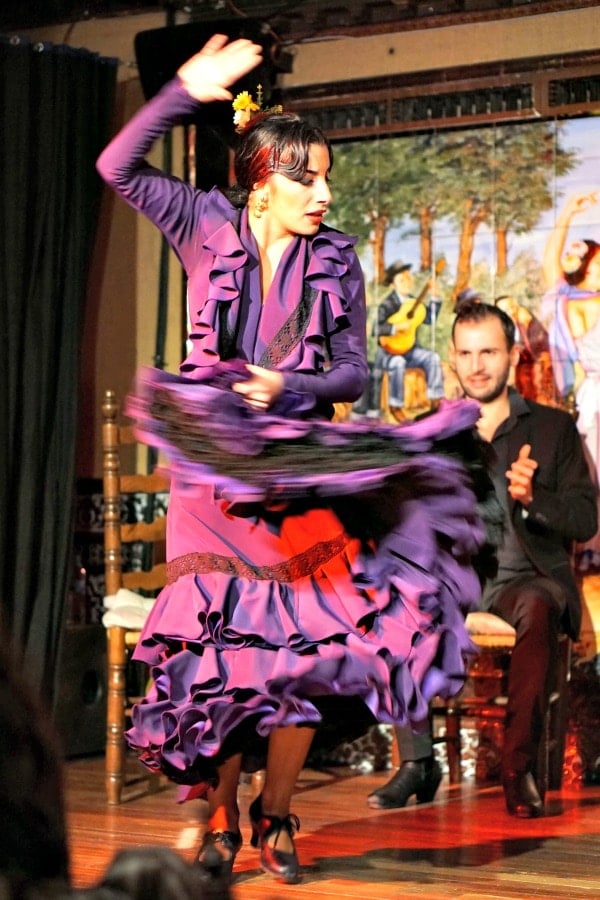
(421, 777)
(217, 853)
(283, 864)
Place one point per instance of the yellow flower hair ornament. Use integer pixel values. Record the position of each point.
(245, 107)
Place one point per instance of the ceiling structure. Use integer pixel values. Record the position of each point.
(505, 91)
(290, 20)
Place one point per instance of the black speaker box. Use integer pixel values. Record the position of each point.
(80, 708)
(161, 51)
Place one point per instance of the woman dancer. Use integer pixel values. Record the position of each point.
(277, 601)
(572, 307)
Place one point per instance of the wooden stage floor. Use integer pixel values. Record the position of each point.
(462, 846)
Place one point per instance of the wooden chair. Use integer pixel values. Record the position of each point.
(135, 570)
(483, 699)
(415, 395)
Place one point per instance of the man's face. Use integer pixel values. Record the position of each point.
(403, 282)
(482, 360)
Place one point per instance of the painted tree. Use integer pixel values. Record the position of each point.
(526, 159)
(465, 189)
(429, 199)
(373, 190)
(500, 177)
(422, 177)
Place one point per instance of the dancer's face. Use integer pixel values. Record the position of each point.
(298, 207)
(482, 360)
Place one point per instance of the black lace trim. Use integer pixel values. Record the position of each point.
(300, 566)
(291, 332)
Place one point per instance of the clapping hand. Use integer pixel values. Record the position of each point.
(520, 476)
(208, 75)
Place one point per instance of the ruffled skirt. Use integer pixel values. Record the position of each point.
(328, 593)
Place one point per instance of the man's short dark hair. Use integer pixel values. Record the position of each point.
(476, 311)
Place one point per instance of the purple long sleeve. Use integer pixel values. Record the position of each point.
(204, 231)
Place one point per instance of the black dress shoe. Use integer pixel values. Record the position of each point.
(522, 796)
(421, 777)
(282, 864)
(217, 853)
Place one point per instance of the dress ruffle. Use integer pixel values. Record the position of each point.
(211, 435)
(380, 622)
(328, 272)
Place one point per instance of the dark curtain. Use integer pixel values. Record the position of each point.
(55, 112)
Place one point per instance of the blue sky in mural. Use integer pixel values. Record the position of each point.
(582, 136)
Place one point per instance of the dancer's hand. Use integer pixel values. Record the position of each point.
(262, 389)
(578, 203)
(208, 75)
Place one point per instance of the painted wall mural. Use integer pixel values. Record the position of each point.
(510, 213)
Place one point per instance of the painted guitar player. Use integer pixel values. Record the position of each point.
(398, 318)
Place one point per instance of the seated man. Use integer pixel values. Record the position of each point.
(542, 479)
(398, 318)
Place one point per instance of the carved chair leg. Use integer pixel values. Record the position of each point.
(115, 715)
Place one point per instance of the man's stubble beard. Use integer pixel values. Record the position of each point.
(492, 394)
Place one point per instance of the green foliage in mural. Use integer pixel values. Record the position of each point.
(501, 177)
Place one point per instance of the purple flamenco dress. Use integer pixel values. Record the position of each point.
(318, 571)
